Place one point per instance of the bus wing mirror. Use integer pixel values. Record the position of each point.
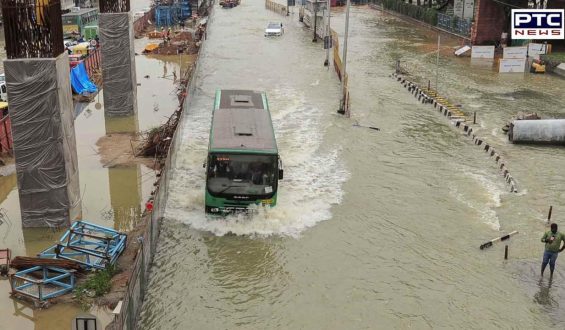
(281, 171)
(204, 165)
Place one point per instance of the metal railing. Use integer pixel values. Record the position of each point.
(420, 13)
(92, 62)
(33, 28)
(454, 24)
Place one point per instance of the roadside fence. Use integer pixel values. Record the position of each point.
(276, 7)
(128, 316)
(6, 141)
(143, 22)
(92, 62)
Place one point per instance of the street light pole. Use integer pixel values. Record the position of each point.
(344, 73)
(315, 4)
(328, 32)
(437, 62)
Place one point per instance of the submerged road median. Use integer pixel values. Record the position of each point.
(458, 119)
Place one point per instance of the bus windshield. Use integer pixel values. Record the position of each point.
(237, 174)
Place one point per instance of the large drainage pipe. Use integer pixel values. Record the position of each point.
(547, 131)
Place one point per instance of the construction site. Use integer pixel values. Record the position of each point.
(83, 159)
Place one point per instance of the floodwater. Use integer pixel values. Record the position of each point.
(373, 229)
(113, 196)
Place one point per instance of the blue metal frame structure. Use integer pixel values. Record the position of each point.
(88, 244)
(167, 15)
(53, 276)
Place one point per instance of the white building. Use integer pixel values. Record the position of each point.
(67, 4)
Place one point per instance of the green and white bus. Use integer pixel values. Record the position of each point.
(243, 166)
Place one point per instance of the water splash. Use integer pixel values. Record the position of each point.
(486, 198)
(313, 177)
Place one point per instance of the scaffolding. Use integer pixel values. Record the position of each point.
(169, 13)
(32, 28)
(42, 282)
(185, 10)
(88, 244)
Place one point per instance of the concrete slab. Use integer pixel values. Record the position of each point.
(560, 70)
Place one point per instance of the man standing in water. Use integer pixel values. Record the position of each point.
(552, 240)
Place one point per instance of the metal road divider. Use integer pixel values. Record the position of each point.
(501, 238)
(458, 118)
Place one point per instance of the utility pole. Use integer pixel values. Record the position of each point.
(315, 4)
(328, 32)
(344, 73)
(437, 62)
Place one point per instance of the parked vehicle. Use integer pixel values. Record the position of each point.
(3, 92)
(274, 29)
(229, 3)
(75, 21)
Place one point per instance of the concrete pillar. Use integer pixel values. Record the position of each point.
(41, 109)
(118, 64)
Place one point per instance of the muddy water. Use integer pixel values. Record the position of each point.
(111, 196)
(373, 229)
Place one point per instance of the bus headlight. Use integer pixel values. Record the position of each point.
(267, 202)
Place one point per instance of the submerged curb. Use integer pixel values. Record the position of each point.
(458, 119)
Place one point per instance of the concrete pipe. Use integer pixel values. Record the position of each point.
(549, 131)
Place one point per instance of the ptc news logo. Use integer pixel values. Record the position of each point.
(538, 24)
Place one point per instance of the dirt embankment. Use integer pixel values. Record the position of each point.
(119, 149)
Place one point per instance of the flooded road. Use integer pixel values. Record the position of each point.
(372, 229)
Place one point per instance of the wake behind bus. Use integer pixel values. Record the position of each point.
(243, 167)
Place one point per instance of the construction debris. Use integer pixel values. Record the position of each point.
(42, 282)
(157, 141)
(88, 244)
(27, 262)
(84, 246)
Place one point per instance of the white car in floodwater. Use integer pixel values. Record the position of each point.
(274, 29)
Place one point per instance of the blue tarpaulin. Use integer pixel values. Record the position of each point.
(80, 81)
